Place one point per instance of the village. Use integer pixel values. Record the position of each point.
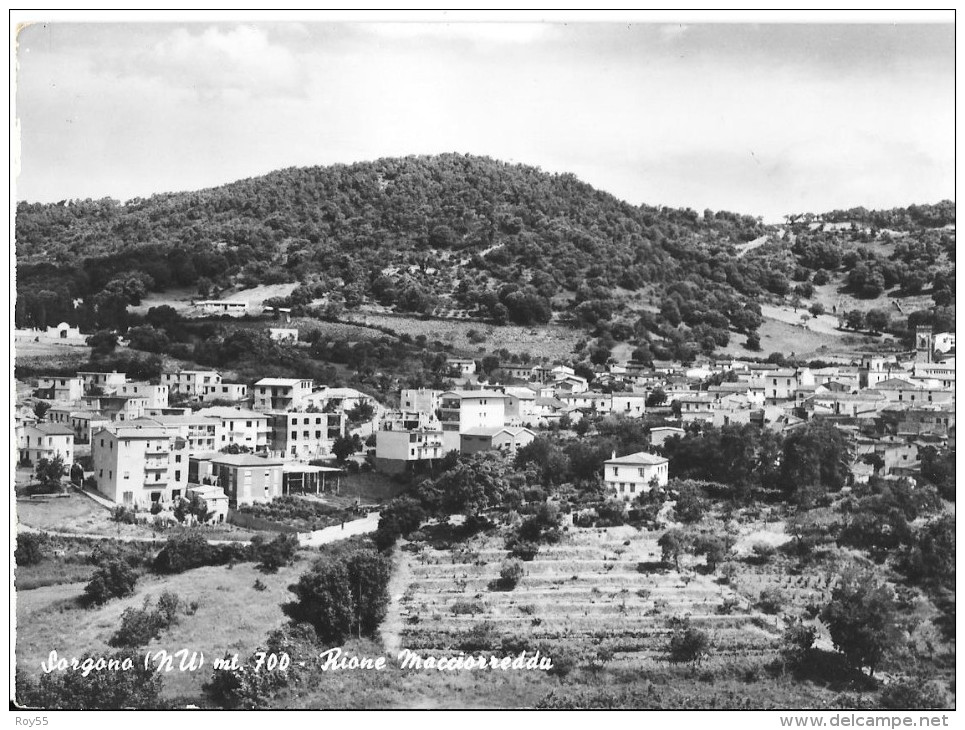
(149, 446)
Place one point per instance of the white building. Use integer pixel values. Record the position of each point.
(229, 392)
(461, 410)
(303, 434)
(239, 426)
(627, 476)
(192, 383)
(137, 464)
(509, 439)
(282, 394)
(46, 441)
(398, 450)
(67, 390)
(222, 306)
(107, 383)
(156, 395)
(422, 400)
(198, 432)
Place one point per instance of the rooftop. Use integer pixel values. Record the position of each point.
(642, 458)
(54, 429)
(245, 460)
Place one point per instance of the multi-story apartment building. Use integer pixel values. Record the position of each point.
(422, 400)
(191, 383)
(155, 395)
(198, 432)
(461, 410)
(105, 383)
(245, 478)
(239, 426)
(66, 390)
(304, 434)
(117, 408)
(82, 422)
(282, 394)
(229, 392)
(136, 464)
(46, 441)
(400, 450)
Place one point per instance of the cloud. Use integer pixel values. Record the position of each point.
(479, 33)
(232, 63)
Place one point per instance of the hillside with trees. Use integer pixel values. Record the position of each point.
(508, 243)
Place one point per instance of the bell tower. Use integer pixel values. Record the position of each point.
(923, 344)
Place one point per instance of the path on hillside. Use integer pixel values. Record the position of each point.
(391, 628)
(744, 248)
(306, 539)
(337, 532)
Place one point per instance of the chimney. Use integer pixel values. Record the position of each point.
(613, 454)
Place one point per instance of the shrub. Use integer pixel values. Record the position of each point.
(31, 547)
(124, 515)
(524, 550)
(797, 643)
(277, 553)
(914, 695)
(114, 579)
(182, 552)
(138, 688)
(763, 551)
(466, 608)
(138, 627)
(259, 586)
(510, 573)
(342, 596)
(688, 644)
(771, 600)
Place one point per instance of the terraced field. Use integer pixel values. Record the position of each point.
(600, 590)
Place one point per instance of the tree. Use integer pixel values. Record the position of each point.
(113, 579)
(510, 573)
(690, 506)
(816, 309)
(345, 446)
(877, 320)
(361, 413)
(688, 644)
(103, 342)
(713, 548)
(277, 553)
(30, 548)
(854, 319)
(672, 544)
(399, 517)
(753, 342)
(50, 472)
(861, 619)
(344, 596)
(656, 397)
(816, 454)
(40, 409)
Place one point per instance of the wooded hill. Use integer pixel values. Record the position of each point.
(510, 242)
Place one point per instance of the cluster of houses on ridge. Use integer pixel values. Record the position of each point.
(239, 445)
(144, 450)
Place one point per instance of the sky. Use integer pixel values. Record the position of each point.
(762, 119)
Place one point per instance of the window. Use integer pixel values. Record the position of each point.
(616, 470)
(632, 488)
(248, 424)
(127, 475)
(110, 474)
(177, 458)
(177, 476)
(294, 435)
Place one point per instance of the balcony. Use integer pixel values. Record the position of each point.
(156, 467)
